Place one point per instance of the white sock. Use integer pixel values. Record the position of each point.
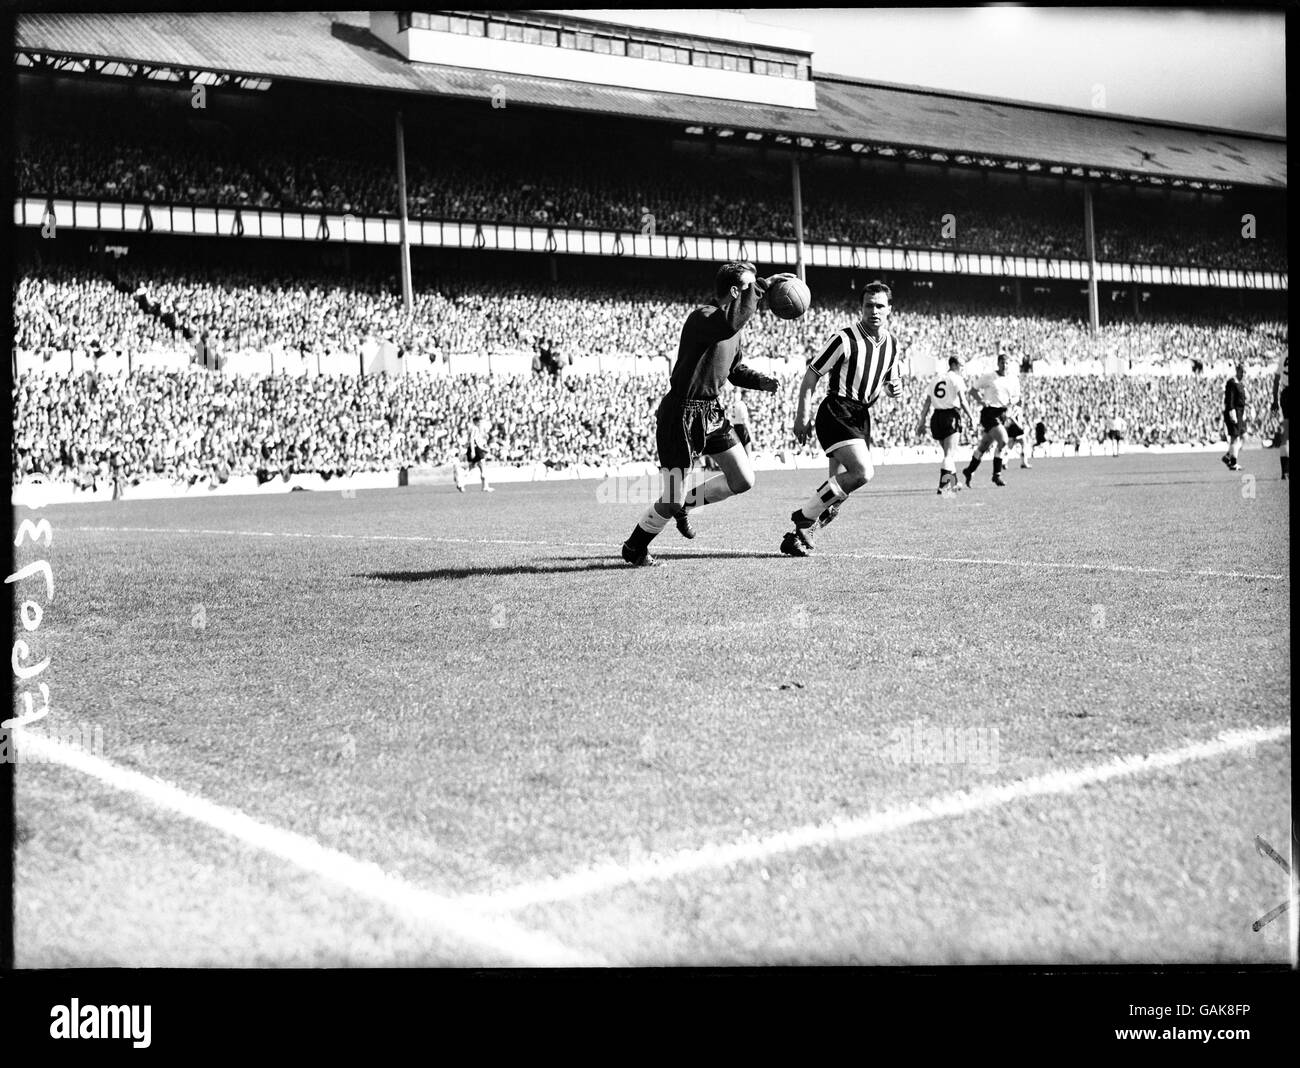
(652, 522)
(827, 493)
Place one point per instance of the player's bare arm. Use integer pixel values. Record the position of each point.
(802, 422)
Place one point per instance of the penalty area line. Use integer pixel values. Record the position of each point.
(367, 880)
(1049, 565)
(719, 856)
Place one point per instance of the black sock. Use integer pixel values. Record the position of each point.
(974, 463)
(1286, 462)
(997, 466)
(943, 478)
(640, 538)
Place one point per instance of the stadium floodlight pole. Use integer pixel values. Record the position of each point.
(798, 218)
(1090, 246)
(401, 215)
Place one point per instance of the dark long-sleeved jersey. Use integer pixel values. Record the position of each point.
(708, 353)
(1234, 395)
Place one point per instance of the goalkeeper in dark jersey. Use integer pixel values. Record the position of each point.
(690, 419)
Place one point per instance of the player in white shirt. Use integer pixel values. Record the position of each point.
(947, 396)
(738, 413)
(997, 392)
(1116, 428)
(476, 440)
(1281, 380)
(1016, 435)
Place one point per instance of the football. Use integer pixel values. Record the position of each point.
(788, 298)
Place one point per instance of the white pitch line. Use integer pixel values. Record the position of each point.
(713, 857)
(363, 878)
(1122, 569)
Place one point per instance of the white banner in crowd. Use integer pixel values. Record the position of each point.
(378, 356)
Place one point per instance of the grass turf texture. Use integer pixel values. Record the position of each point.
(475, 693)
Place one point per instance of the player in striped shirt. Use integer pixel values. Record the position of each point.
(859, 362)
(997, 392)
(1281, 380)
(947, 396)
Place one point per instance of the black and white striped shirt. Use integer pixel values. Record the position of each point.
(858, 367)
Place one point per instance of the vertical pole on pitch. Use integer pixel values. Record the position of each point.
(798, 219)
(401, 215)
(1090, 245)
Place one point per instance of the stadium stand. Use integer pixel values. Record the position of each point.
(566, 187)
(196, 426)
(124, 340)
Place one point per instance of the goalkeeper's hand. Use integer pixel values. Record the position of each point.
(764, 284)
(894, 388)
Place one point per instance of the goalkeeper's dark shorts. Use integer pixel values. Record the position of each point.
(688, 429)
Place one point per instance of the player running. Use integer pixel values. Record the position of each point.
(690, 420)
(997, 392)
(1016, 436)
(947, 396)
(476, 441)
(1234, 417)
(861, 360)
(1282, 378)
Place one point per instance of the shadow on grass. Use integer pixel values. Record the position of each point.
(560, 565)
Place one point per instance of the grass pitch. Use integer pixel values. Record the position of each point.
(648, 766)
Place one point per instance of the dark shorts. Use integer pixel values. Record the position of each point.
(991, 417)
(944, 423)
(1014, 430)
(742, 434)
(1040, 435)
(475, 456)
(1114, 435)
(1283, 403)
(688, 429)
(840, 420)
(1235, 420)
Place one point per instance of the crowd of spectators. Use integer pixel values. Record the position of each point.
(247, 310)
(671, 193)
(199, 426)
(60, 308)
